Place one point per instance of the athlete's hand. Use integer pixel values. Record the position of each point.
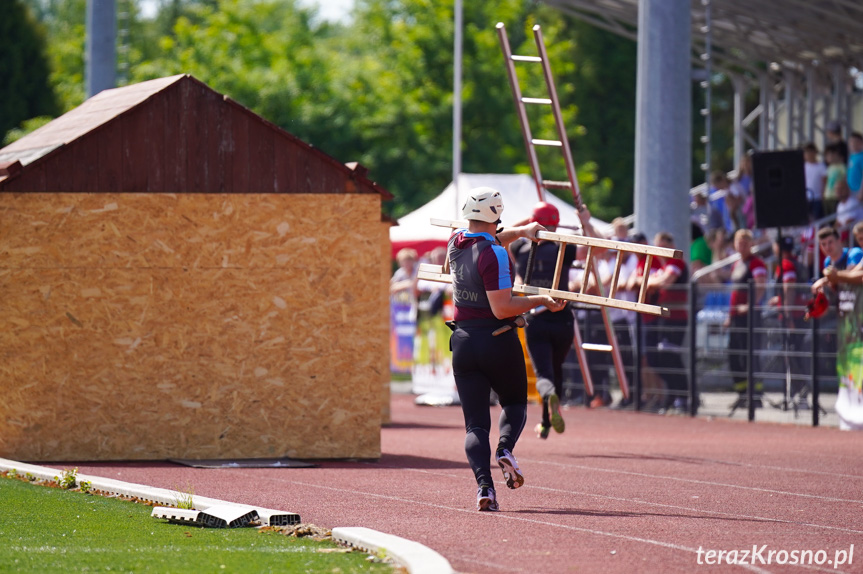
(530, 230)
(554, 304)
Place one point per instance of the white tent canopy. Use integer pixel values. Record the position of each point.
(519, 197)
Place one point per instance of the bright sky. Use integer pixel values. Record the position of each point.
(334, 10)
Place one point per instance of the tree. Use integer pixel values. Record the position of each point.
(25, 92)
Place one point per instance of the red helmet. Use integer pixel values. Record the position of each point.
(817, 306)
(545, 214)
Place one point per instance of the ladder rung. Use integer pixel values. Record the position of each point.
(552, 143)
(596, 347)
(548, 184)
(526, 58)
(545, 101)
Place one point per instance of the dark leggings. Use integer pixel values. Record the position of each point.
(548, 342)
(482, 363)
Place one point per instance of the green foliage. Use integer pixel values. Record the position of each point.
(25, 91)
(68, 479)
(27, 126)
(379, 90)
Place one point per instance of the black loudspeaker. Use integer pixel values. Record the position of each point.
(779, 189)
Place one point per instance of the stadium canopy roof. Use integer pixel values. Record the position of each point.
(746, 35)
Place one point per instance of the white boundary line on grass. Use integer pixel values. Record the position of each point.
(413, 556)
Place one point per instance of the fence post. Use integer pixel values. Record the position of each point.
(693, 387)
(816, 400)
(750, 363)
(636, 353)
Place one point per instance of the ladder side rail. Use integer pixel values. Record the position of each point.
(558, 118)
(522, 113)
(610, 334)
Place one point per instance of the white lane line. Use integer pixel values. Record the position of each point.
(698, 512)
(691, 480)
(414, 502)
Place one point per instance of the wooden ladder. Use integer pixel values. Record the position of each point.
(441, 273)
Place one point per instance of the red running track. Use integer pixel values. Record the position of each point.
(617, 492)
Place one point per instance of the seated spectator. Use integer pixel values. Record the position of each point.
(848, 208)
(700, 255)
(699, 209)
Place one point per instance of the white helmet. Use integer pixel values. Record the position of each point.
(483, 204)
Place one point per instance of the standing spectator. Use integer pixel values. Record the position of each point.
(652, 384)
(719, 215)
(548, 336)
(835, 172)
(789, 272)
(748, 268)
(855, 166)
(816, 180)
(405, 277)
(833, 134)
(484, 358)
(668, 288)
(700, 255)
(743, 183)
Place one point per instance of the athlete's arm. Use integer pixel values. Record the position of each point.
(510, 234)
(504, 304)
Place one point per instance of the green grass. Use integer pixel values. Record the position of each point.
(53, 530)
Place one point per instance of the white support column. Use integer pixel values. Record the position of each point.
(811, 88)
(790, 108)
(100, 72)
(456, 102)
(663, 119)
(764, 88)
(838, 73)
(739, 85)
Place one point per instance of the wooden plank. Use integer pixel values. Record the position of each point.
(615, 277)
(592, 299)
(155, 156)
(135, 149)
(240, 161)
(583, 240)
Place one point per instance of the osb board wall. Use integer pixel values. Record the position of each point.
(386, 271)
(152, 326)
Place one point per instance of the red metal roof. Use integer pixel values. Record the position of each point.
(172, 135)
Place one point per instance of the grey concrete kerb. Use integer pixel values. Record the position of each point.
(413, 556)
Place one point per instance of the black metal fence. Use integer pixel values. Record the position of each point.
(767, 364)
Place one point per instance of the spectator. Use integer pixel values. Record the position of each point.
(833, 134)
(748, 268)
(743, 183)
(405, 277)
(700, 255)
(816, 180)
(848, 208)
(699, 209)
(718, 215)
(620, 230)
(668, 289)
(837, 257)
(835, 172)
(789, 301)
(854, 175)
(652, 384)
(856, 253)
